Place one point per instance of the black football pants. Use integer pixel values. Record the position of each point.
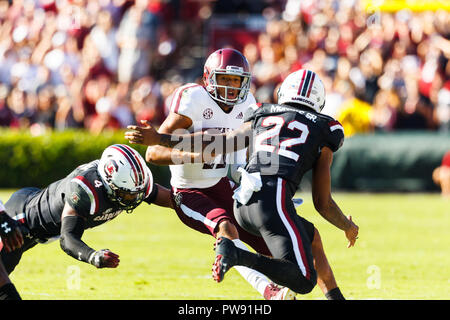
(271, 214)
(15, 208)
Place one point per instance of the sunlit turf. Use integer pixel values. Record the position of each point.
(402, 253)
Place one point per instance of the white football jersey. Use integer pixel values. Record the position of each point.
(194, 102)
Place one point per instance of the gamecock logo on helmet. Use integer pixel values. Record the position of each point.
(110, 168)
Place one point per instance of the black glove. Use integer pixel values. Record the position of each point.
(10, 232)
(104, 259)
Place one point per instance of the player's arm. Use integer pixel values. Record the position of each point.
(231, 141)
(323, 201)
(160, 196)
(72, 229)
(163, 155)
(163, 198)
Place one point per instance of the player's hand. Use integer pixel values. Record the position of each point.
(10, 233)
(104, 259)
(146, 134)
(351, 233)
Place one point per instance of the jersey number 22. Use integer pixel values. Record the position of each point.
(273, 134)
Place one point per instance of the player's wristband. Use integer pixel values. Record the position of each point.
(97, 258)
(93, 259)
(152, 196)
(7, 224)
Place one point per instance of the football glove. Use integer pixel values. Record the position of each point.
(104, 259)
(10, 233)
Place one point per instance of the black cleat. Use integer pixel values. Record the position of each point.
(226, 258)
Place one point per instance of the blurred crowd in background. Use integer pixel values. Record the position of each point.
(105, 64)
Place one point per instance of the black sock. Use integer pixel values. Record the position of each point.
(9, 292)
(334, 294)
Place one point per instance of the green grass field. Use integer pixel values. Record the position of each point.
(402, 253)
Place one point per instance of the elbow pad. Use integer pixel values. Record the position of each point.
(72, 228)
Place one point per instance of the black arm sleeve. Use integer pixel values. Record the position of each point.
(153, 194)
(72, 228)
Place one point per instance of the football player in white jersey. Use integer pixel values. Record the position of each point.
(322, 131)
(202, 193)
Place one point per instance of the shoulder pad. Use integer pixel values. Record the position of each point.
(184, 95)
(335, 138)
(335, 125)
(82, 196)
(250, 99)
(251, 112)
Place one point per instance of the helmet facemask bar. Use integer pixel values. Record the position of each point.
(127, 199)
(243, 90)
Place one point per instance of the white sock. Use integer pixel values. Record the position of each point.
(255, 278)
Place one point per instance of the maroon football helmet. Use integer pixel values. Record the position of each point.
(231, 62)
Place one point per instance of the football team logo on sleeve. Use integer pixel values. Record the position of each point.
(75, 197)
(90, 191)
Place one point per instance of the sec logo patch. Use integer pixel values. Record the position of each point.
(208, 113)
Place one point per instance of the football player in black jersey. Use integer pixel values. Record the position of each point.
(10, 239)
(287, 140)
(91, 195)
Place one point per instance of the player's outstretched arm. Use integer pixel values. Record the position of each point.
(323, 201)
(163, 197)
(145, 134)
(158, 154)
(72, 229)
(226, 142)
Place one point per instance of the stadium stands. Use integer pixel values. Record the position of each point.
(105, 64)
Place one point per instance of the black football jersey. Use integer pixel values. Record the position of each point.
(84, 191)
(288, 140)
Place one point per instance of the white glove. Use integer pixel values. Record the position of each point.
(250, 182)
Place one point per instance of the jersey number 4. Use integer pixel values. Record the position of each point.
(280, 147)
